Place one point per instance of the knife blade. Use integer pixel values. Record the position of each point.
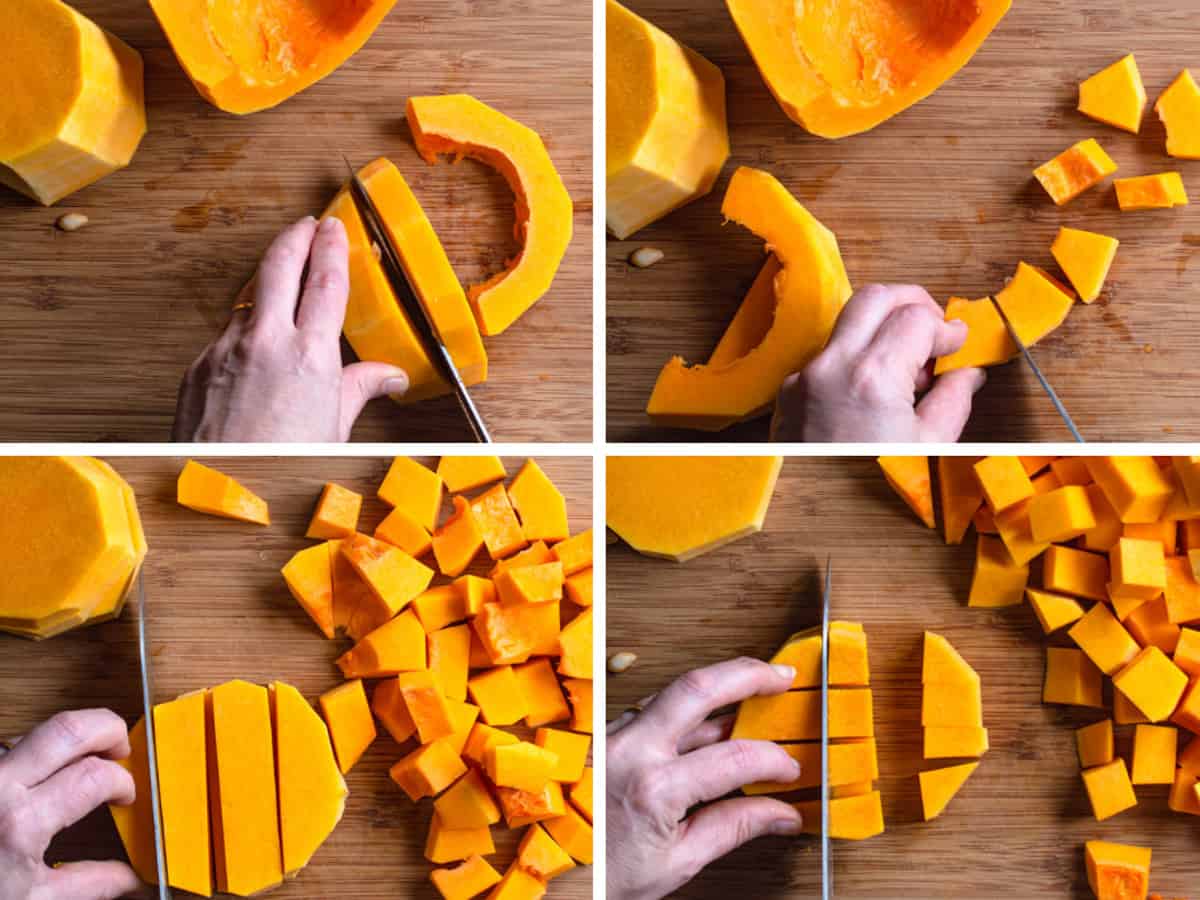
(826, 850)
(1058, 404)
(160, 855)
(422, 323)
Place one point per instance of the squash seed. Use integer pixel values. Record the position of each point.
(72, 221)
(621, 662)
(645, 257)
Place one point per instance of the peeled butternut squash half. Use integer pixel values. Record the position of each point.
(73, 108)
(811, 288)
(839, 68)
(248, 55)
(460, 125)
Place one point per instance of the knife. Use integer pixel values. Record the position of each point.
(422, 323)
(160, 856)
(1058, 404)
(826, 852)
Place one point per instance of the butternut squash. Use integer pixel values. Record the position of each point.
(336, 515)
(852, 818)
(1109, 789)
(572, 832)
(1155, 749)
(497, 522)
(498, 695)
(1035, 303)
(73, 108)
(938, 787)
(244, 57)
(376, 325)
(753, 319)
(135, 823)
(513, 633)
(1179, 110)
(839, 69)
(530, 584)
(988, 341)
(461, 125)
(393, 576)
(426, 705)
(469, 879)
(540, 504)
(681, 507)
(1071, 678)
(581, 796)
(1094, 744)
(445, 845)
(522, 765)
(467, 804)
(909, 477)
(810, 290)
(412, 487)
(540, 856)
(579, 693)
(572, 750)
(1054, 611)
(309, 576)
(1086, 257)
(1104, 640)
(427, 771)
(449, 659)
(544, 700)
(960, 494)
(850, 762)
(458, 539)
(517, 884)
(401, 530)
(1153, 683)
(351, 727)
(1117, 871)
(462, 473)
(1162, 191)
(1075, 170)
(208, 491)
(523, 808)
(796, 716)
(394, 647)
(1115, 95)
(667, 136)
(180, 739)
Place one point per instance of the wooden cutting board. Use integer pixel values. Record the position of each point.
(943, 196)
(1017, 829)
(100, 325)
(220, 610)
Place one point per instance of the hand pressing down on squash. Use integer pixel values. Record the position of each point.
(669, 757)
(50, 779)
(874, 380)
(275, 374)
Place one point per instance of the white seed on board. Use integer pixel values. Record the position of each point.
(72, 221)
(645, 257)
(621, 662)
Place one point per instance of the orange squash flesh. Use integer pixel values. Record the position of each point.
(461, 125)
(840, 68)
(248, 55)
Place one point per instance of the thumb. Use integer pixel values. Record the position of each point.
(93, 881)
(721, 828)
(942, 413)
(362, 382)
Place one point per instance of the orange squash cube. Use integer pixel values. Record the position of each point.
(1134, 485)
(1109, 789)
(1182, 593)
(1075, 572)
(1071, 470)
(1124, 712)
(1109, 527)
(1153, 683)
(440, 606)
(482, 738)
(1155, 748)
(575, 645)
(1074, 171)
(998, 580)
(350, 724)
(1004, 481)
(1115, 96)
(540, 856)
(1061, 514)
(988, 344)
(413, 488)
(1094, 743)
(536, 554)
(1087, 258)
(940, 663)
(395, 647)
(580, 794)
(467, 880)
(950, 741)
(543, 695)
(579, 693)
(401, 530)
(462, 473)
(1117, 871)
(427, 771)
(309, 576)
(952, 705)
(530, 584)
(573, 833)
(795, 716)
(1104, 640)
(524, 766)
(579, 588)
(575, 553)
(355, 608)
(1164, 531)
(511, 634)
(1150, 626)
(517, 884)
(445, 845)
(1016, 532)
(475, 592)
(571, 749)
(1187, 651)
(208, 491)
(393, 576)
(449, 660)
(1054, 611)
(850, 762)
(427, 705)
(1184, 797)
(1071, 678)
(457, 541)
(463, 716)
(467, 804)
(498, 695)
(848, 662)
(1189, 759)
(1139, 568)
(1164, 190)
(853, 818)
(909, 477)
(336, 515)
(387, 703)
(542, 509)
(523, 808)
(497, 522)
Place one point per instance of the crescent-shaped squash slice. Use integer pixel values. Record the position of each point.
(247, 55)
(841, 67)
(376, 326)
(810, 290)
(461, 125)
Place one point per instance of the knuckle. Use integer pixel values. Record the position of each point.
(868, 380)
(328, 282)
(646, 793)
(700, 683)
(873, 293)
(742, 755)
(911, 316)
(68, 728)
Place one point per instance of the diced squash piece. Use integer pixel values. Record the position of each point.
(524, 766)
(463, 717)
(1086, 257)
(387, 703)
(575, 646)
(1179, 109)
(393, 576)
(469, 879)
(938, 786)
(848, 661)
(1155, 748)
(1034, 303)
(497, 522)
(1043, 484)
(960, 493)
(1109, 528)
(1162, 191)
(1139, 568)
(475, 591)
(1004, 481)
(1115, 96)
(575, 553)
(1094, 743)
(449, 659)
(541, 506)
(312, 792)
(523, 808)
(536, 554)
(427, 705)
(1016, 532)
(544, 700)
(401, 530)
(952, 705)
(579, 693)
(517, 884)
(482, 738)
(1109, 789)
(988, 341)
(440, 606)
(467, 804)
(1104, 640)
(571, 749)
(1061, 514)
(464, 473)
(1054, 611)
(942, 664)
(1189, 759)
(579, 588)
(810, 291)
(853, 818)
(1150, 625)
(350, 724)
(1074, 171)
(1187, 471)
(251, 856)
(309, 576)
(997, 581)
(444, 845)
(350, 595)
(461, 125)
(1124, 712)
(850, 762)
(181, 742)
(1153, 683)
(1071, 470)
(796, 716)
(1187, 651)
(209, 491)
(667, 138)
(1072, 678)
(74, 109)
(394, 647)
(1035, 464)
(530, 584)
(1134, 485)
(1075, 572)
(1187, 715)
(497, 693)
(1164, 531)
(572, 832)
(428, 770)
(580, 794)
(336, 515)
(412, 487)
(540, 856)
(1118, 871)
(135, 822)
(457, 541)
(951, 741)
(681, 507)
(1182, 593)
(513, 633)
(909, 477)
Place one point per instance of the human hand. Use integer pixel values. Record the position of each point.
(52, 778)
(275, 374)
(863, 386)
(670, 757)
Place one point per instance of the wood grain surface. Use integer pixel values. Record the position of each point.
(220, 610)
(1017, 828)
(99, 325)
(942, 195)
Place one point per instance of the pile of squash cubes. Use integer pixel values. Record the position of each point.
(455, 662)
(1119, 542)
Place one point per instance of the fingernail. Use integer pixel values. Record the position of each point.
(308, 220)
(396, 385)
(787, 826)
(788, 672)
(795, 767)
(980, 380)
(330, 224)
